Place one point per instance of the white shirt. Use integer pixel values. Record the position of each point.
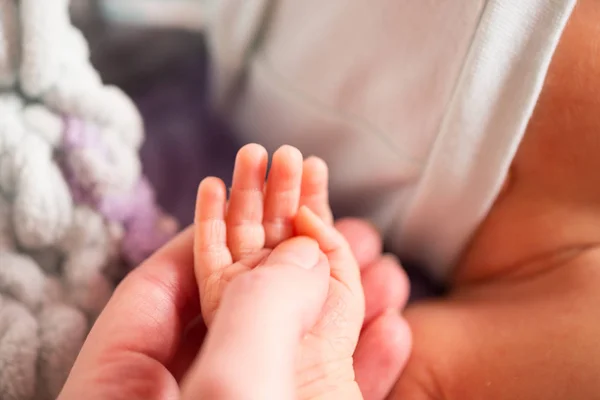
(418, 106)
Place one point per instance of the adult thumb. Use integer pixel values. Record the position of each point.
(251, 348)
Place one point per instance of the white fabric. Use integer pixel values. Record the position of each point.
(482, 128)
(417, 106)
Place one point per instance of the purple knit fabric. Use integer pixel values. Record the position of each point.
(144, 225)
(78, 135)
(145, 229)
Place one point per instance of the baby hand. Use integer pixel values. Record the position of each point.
(234, 237)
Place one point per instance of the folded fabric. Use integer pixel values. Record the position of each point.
(185, 14)
(76, 213)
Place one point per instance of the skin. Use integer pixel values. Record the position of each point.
(520, 320)
(234, 235)
(253, 341)
(146, 342)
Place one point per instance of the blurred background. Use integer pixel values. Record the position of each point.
(155, 51)
(163, 68)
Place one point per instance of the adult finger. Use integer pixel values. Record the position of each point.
(363, 238)
(386, 286)
(250, 351)
(385, 340)
(381, 354)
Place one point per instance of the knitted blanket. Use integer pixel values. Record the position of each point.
(75, 210)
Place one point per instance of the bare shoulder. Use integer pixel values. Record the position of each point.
(549, 210)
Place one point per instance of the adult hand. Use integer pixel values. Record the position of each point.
(145, 340)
